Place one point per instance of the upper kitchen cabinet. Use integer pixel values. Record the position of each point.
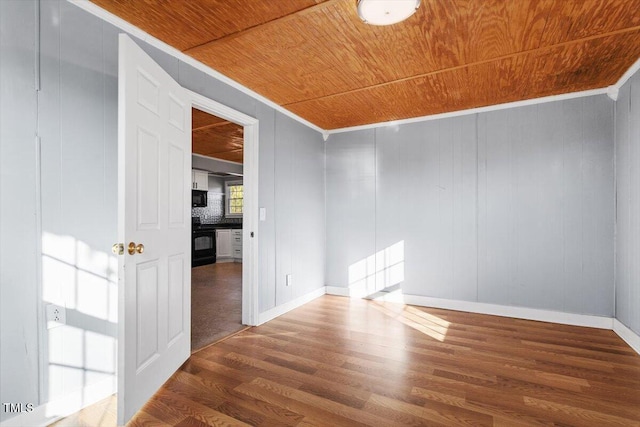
(199, 180)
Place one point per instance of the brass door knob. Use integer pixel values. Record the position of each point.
(133, 248)
(118, 248)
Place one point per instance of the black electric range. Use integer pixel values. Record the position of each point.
(203, 243)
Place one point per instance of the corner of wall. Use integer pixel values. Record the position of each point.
(627, 204)
(291, 305)
(627, 335)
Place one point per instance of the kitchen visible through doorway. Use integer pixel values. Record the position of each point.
(216, 276)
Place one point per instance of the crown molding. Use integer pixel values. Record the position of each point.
(627, 75)
(495, 107)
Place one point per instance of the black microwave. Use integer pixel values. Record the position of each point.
(198, 198)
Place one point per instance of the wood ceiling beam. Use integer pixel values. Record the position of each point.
(249, 30)
(468, 65)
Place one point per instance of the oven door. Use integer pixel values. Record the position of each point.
(203, 247)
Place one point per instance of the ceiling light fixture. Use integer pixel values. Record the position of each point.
(386, 12)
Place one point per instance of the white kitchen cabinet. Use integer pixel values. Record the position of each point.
(236, 243)
(199, 180)
(224, 249)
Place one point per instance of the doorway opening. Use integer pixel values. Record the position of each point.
(217, 223)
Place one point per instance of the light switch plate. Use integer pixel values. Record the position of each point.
(263, 214)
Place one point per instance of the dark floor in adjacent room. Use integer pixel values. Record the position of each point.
(216, 302)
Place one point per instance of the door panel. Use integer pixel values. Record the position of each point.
(176, 296)
(176, 187)
(147, 314)
(147, 179)
(154, 173)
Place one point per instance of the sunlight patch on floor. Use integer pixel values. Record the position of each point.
(426, 323)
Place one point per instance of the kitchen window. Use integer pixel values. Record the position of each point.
(234, 199)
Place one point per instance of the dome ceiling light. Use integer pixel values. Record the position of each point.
(386, 12)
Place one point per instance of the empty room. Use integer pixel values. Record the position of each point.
(319, 212)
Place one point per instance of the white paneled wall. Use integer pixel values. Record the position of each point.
(628, 205)
(512, 207)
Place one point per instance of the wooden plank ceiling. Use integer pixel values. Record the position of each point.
(216, 137)
(319, 61)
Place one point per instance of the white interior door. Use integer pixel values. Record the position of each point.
(154, 182)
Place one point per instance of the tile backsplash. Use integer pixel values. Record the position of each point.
(214, 212)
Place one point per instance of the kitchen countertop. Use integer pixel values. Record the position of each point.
(217, 227)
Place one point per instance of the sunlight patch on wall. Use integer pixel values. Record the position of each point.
(377, 272)
(78, 277)
(78, 357)
(81, 356)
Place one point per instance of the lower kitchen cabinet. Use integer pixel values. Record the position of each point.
(236, 243)
(223, 245)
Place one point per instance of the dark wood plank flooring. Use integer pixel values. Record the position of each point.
(346, 362)
(216, 302)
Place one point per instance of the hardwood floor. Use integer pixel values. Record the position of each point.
(339, 361)
(216, 302)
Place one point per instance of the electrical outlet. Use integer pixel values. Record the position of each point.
(288, 280)
(56, 316)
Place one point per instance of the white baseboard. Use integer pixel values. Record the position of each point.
(515, 312)
(627, 335)
(590, 321)
(48, 413)
(337, 290)
(286, 307)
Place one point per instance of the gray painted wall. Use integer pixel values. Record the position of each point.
(351, 201)
(216, 184)
(18, 236)
(300, 211)
(77, 123)
(546, 206)
(628, 204)
(511, 207)
(75, 114)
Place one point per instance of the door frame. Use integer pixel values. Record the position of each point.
(250, 236)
